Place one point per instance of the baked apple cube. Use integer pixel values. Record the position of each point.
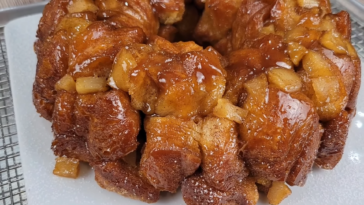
(285, 79)
(278, 192)
(225, 109)
(66, 83)
(330, 95)
(76, 6)
(308, 4)
(66, 167)
(296, 52)
(125, 61)
(86, 85)
(333, 41)
(73, 25)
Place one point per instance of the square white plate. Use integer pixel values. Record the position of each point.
(344, 185)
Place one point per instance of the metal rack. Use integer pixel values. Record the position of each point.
(12, 188)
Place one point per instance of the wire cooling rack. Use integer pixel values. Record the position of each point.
(12, 188)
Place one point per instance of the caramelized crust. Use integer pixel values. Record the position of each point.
(114, 126)
(221, 165)
(167, 32)
(67, 142)
(197, 191)
(164, 76)
(131, 13)
(171, 152)
(279, 128)
(124, 179)
(333, 141)
(291, 83)
(250, 19)
(187, 25)
(248, 63)
(52, 65)
(53, 12)
(216, 20)
(92, 52)
(79, 133)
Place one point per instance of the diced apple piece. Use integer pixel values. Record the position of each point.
(225, 109)
(120, 75)
(263, 184)
(351, 49)
(66, 83)
(268, 30)
(327, 89)
(285, 79)
(87, 85)
(308, 4)
(333, 41)
(330, 96)
(277, 192)
(77, 6)
(257, 89)
(326, 24)
(73, 25)
(66, 167)
(143, 92)
(315, 65)
(296, 52)
(306, 37)
(188, 46)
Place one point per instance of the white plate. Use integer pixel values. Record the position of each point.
(344, 185)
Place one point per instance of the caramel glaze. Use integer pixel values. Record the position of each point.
(51, 66)
(181, 83)
(92, 52)
(178, 84)
(277, 132)
(79, 132)
(53, 57)
(248, 63)
(134, 13)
